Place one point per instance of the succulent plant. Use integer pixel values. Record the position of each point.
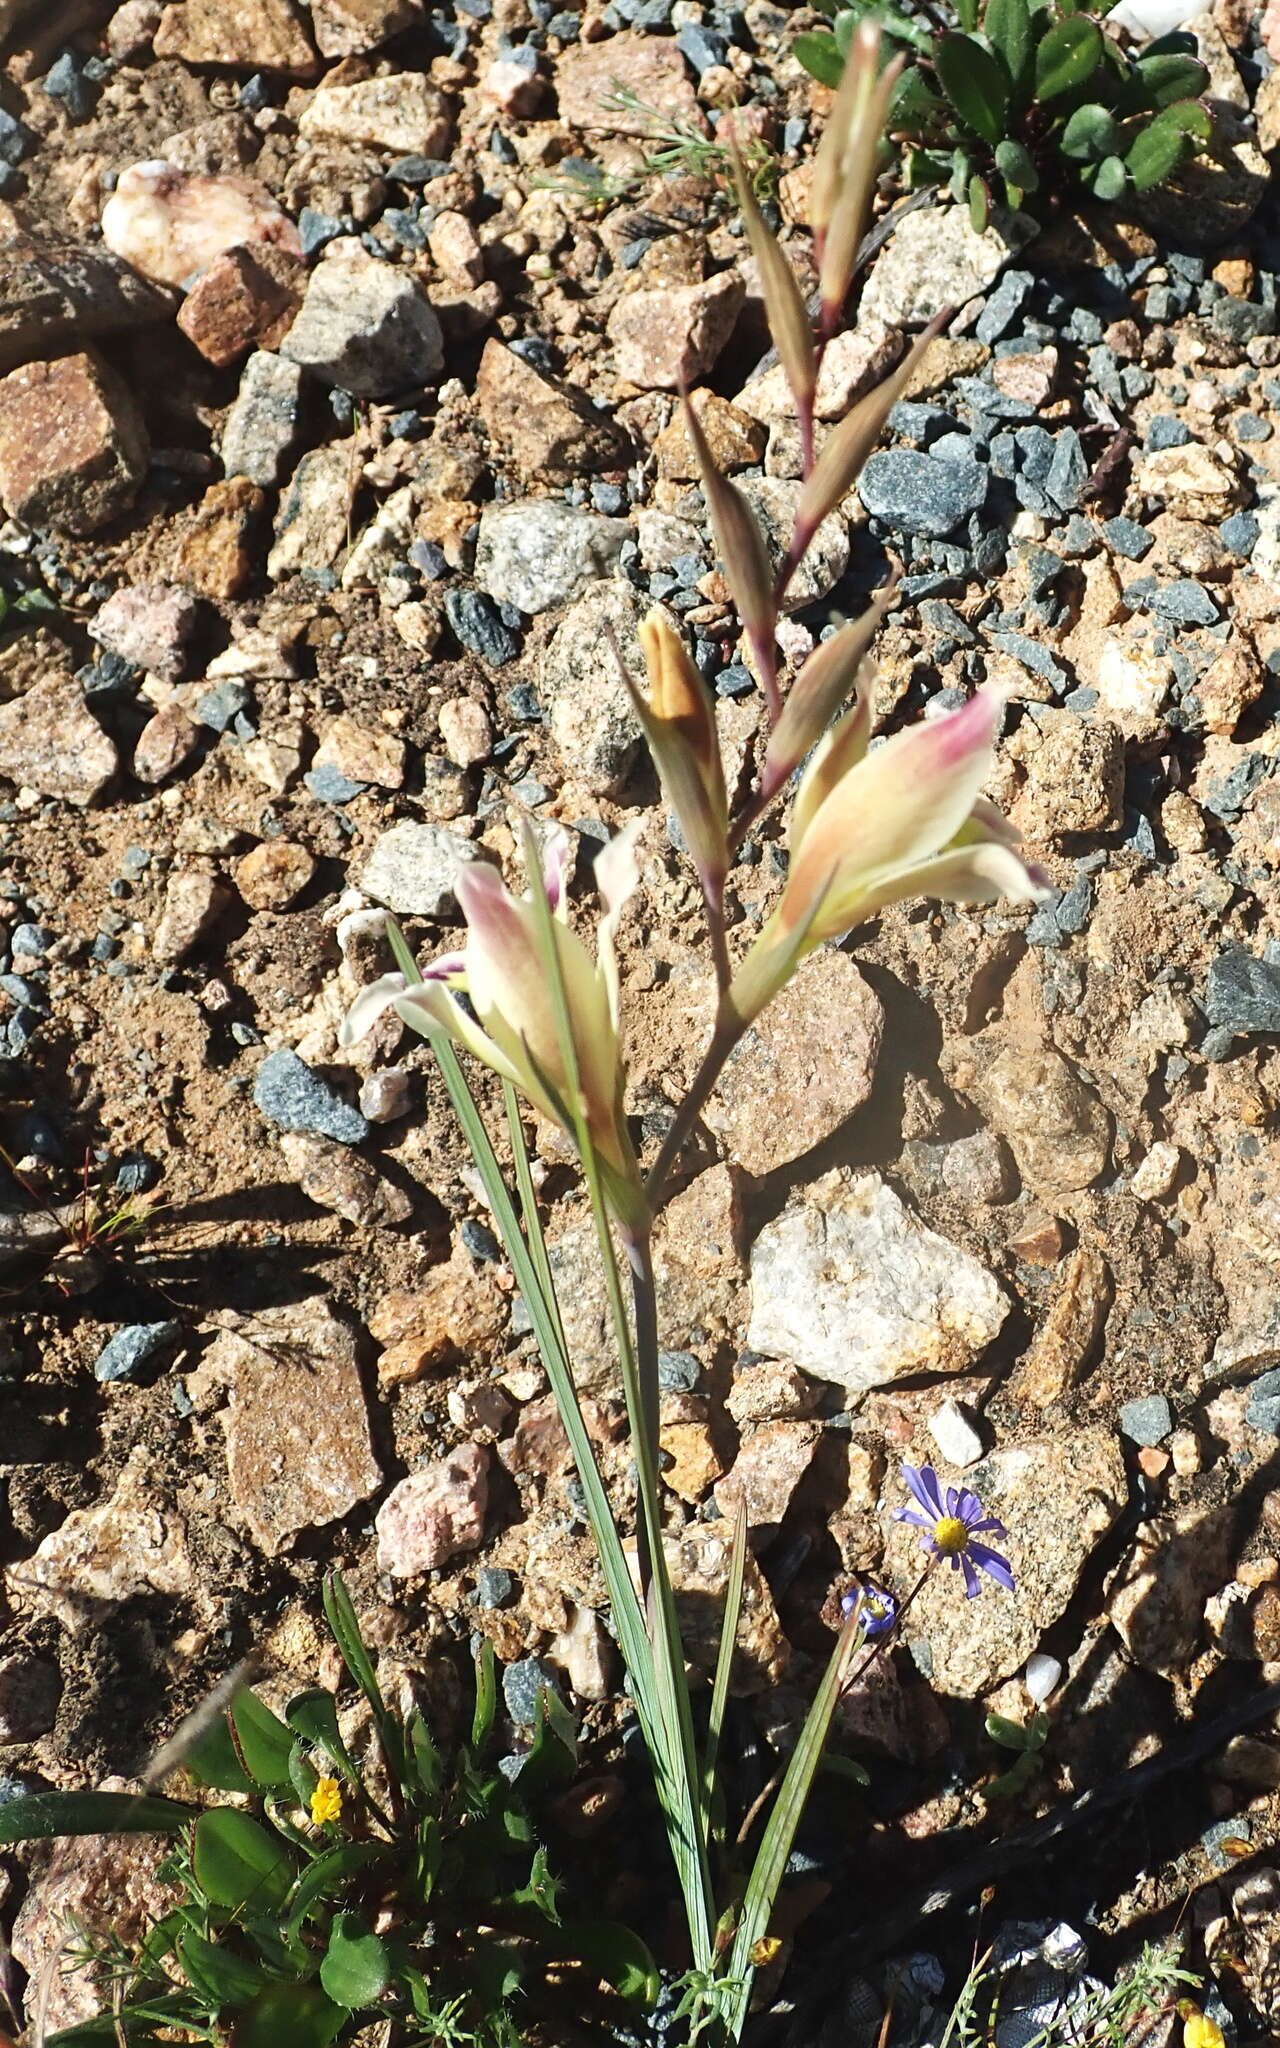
(1029, 105)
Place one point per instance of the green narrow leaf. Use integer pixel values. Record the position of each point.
(212, 1759)
(780, 1830)
(1007, 25)
(290, 2016)
(323, 1881)
(238, 1864)
(313, 1715)
(345, 1629)
(43, 1815)
(219, 1976)
(915, 109)
(1068, 56)
(1166, 143)
(979, 205)
(486, 1705)
(1166, 79)
(819, 54)
(729, 1620)
(356, 1969)
(1090, 134)
(552, 1757)
(423, 1754)
(967, 15)
(264, 1741)
(975, 85)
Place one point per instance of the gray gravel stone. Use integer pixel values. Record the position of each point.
(367, 328)
(914, 494)
(262, 425)
(1147, 1420)
(1263, 1408)
(294, 1098)
(539, 552)
(521, 1684)
(1243, 992)
(412, 869)
(130, 1348)
(589, 711)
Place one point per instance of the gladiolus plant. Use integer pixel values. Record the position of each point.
(871, 823)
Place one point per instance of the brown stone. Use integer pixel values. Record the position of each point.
(166, 743)
(50, 742)
(767, 1470)
(215, 556)
(274, 875)
(589, 75)
(695, 1465)
(363, 753)
(1066, 1343)
(73, 449)
(734, 438)
(664, 339)
(805, 1066)
(346, 28)
(434, 1513)
(193, 903)
(1057, 1129)
(458, 1308)
(129, 1543)
(59, 292)
(336, 1178)
(254, 35)
(1229, 686)
(539, 424)
(698, 1560)
(1029, 378)
(299, 1452)
(105, 1885)
(245, 299)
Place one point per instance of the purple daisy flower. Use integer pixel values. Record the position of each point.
(877, 1610)
(952, 1521)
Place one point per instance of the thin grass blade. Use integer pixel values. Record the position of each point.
(724, 1661)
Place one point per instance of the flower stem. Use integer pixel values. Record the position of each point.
(727, 1032)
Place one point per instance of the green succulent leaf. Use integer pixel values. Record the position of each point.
(264, 1741)
(323, 1881)
(1009, 1734)
(1016, 167)
(44, 1815)
(961, 175)
(819, 54)
(238, 1864)
(1110, 179)
(617, 1955)
(486, 1702)
(975, 84)
(290, 2016)
(967, 14)
(1068, 56)
(1007, 24)
(356, 1968)
(1166, 79)
(215, 1973)
(1090, 134)
(313, 1715)
(979, 205)
(927, 167)
(1167, 142)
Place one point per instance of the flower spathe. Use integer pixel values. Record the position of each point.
(953, 1520)
(509, 1018)
(872, 826)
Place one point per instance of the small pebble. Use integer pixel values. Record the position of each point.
(1147, 1420)
(132, 1347)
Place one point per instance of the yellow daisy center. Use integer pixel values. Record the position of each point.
(951, 1535)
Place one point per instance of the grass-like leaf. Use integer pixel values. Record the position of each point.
(42, 1816)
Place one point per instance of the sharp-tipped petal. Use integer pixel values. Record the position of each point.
(834, 757)
(617, 872)
(738, 538)
(371, 1003)
(901, 805)
(557, 860)
(680, 725)
(831, 674)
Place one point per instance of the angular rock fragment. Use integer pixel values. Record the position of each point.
(50, 742)
(852, 1287)
(73, 449)
(315, 512)
(241, 302)
(150, 624)
(171, 224)
(435, 1513)
(650, 67)
(251, 35)
(51, 293)
(347, 28)
(262, 425)
(366, 327)
(404, 113)
(299, 1452)
(664, 339)
(539, 424)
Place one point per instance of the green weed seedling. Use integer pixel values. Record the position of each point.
(1029, 105)
(408, 1888)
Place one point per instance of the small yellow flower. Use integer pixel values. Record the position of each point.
(326, 1802)
(1199, 2031)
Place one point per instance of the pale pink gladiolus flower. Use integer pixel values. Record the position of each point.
(509, 1019)
(871, 826)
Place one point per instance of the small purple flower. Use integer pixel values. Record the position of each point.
(951, 1522)
(877, 1610)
